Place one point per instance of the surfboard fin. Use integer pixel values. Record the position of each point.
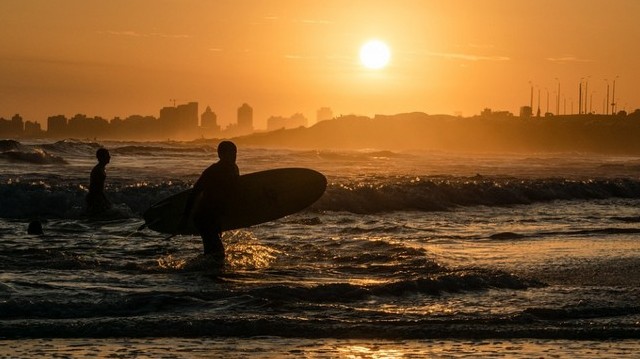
(146, 225)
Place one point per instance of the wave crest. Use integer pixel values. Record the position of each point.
(441, 194)
(35, 198)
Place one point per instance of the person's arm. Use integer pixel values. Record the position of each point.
(191, 199)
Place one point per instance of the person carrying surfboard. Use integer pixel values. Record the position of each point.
(208, 198)
(97, 201)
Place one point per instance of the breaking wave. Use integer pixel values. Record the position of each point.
(442, 194)
(36, 156)
(54, 197)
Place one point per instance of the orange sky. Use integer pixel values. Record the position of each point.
(123, 57)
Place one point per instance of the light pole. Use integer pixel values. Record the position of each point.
(546, 89)
(558, 98)
(531, 101)
(538, 102)
(579, 97)
(606, 110)
(613, 98)
(586, 94)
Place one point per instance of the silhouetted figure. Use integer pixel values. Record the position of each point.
(35, 228)
(97, 202)
(209, 197)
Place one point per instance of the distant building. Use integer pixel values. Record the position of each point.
(279, 122)
(17, 125)
(180, 121)
(5, 127)
(297, 120)
(276, 123)
(209, 121)
(487, 112)
(324, 113)
(245, 119)
(13, 127)
(57, 126)
(526, 111)
(189, 115)
(32, 129)
(82, 126)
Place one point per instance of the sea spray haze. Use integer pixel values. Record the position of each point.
(403, 245)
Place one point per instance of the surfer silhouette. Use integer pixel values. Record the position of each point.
(97, 201)
(209, 196)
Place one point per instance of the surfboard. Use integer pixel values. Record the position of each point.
(261, 197)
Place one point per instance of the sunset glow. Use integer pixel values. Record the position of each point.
(447, 57)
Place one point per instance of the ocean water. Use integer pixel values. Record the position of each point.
(406, 253)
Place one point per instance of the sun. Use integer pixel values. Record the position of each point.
(375, 54)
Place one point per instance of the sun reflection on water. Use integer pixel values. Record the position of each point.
(359, 351)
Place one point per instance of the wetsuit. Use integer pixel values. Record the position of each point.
(97, 202)
(216, 185)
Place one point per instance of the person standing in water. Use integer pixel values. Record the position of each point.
(97, 201)
(209, 197)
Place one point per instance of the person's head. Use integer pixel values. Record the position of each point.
(103, 156)
(227, 151)
(35, 227)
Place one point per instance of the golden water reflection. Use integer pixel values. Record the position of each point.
(273, 347)
(358, 352)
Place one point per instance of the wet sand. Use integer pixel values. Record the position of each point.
(266, 347)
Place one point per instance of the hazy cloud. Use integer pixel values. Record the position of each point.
(130, 33)
(481, 46)
(468, 57)
(315, 22)
(567, 59)
(51, 61)
(298, 57)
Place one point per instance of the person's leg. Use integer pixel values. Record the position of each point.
(211, 240)
(207, 242)
(217, 248)
(212, 243)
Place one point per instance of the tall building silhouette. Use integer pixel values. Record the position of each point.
(209, 121)
(13, 127)
(180, 121)
(57, 126)
(32, 129)
(245, 119)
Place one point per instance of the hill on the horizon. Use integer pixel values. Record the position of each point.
(419, 131)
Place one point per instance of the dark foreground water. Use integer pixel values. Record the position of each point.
(406, 253)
